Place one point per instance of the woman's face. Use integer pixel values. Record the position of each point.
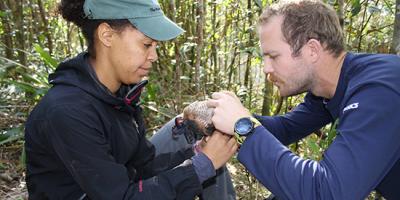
(131, 55)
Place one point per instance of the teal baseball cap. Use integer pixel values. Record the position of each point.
(145, 15)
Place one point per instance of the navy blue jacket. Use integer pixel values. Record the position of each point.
(365, 153)
(83, 142)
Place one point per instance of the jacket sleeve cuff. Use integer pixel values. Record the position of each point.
(203, 167)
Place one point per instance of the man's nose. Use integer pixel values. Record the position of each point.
(267, 66)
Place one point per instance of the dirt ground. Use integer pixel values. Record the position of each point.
(12, 175)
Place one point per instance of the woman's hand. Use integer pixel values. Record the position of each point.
(219, 148)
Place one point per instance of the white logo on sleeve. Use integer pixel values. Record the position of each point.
(351, 106)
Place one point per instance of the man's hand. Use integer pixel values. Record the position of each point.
(219, 148)
(228, 110)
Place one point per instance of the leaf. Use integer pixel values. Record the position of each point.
(184, 78)
(3, 14)
(12, 135)
(150, 93)
(26, 87)
(374, 9)
(314, 147)
(356, 7)
(3, 137)
(46, 56)
(11, 63)
(30, 78)
(242, 91)
(259, 4)
(2, 166)
(41, 91)
(22, 158)
(332, 132)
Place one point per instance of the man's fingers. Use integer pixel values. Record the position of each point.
(218, 95)
(211, 103)
(229, 93)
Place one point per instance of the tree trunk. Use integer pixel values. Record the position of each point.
(247, 74)
(364, 24)
(267, 98)
(231, 68)
(178, 72)
(20, 31)
(32, 26)
(200, 43)
(45, 26)
(7, 35)
(340, 12)
(214, 55)
(396, 31)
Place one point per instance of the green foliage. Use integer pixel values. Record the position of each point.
(22, 158)
(330, 135)
(369, 26)
(27, 84)
(188, 69)
(11, 135)
(3, 13)
(356, 7)
(45, 56)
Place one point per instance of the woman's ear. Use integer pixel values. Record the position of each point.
(105, 34)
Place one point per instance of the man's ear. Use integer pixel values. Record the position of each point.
(314, 49)
(105, 34)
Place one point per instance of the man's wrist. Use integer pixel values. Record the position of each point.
(244, 127)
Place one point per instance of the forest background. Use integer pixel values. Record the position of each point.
(219, 51)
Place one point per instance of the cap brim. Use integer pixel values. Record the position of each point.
(157, 28)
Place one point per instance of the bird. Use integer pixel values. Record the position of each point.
(195, 123)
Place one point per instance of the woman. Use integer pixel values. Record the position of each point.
(86, 139)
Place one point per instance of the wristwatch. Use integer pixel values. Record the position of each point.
(244, 127)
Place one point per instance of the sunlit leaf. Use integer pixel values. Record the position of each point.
(26, 87)
(45, 56)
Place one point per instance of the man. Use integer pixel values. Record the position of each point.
(302, 44)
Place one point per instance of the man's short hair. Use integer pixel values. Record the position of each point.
(305, 20)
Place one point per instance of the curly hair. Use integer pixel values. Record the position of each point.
(72, 11)
(305, 20)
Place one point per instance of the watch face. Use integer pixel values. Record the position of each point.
(243, 126)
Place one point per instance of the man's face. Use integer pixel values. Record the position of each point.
(292, 75)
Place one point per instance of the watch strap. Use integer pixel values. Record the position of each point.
(240, 139)
(255, 121)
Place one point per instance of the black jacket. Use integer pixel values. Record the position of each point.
(81, 141)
